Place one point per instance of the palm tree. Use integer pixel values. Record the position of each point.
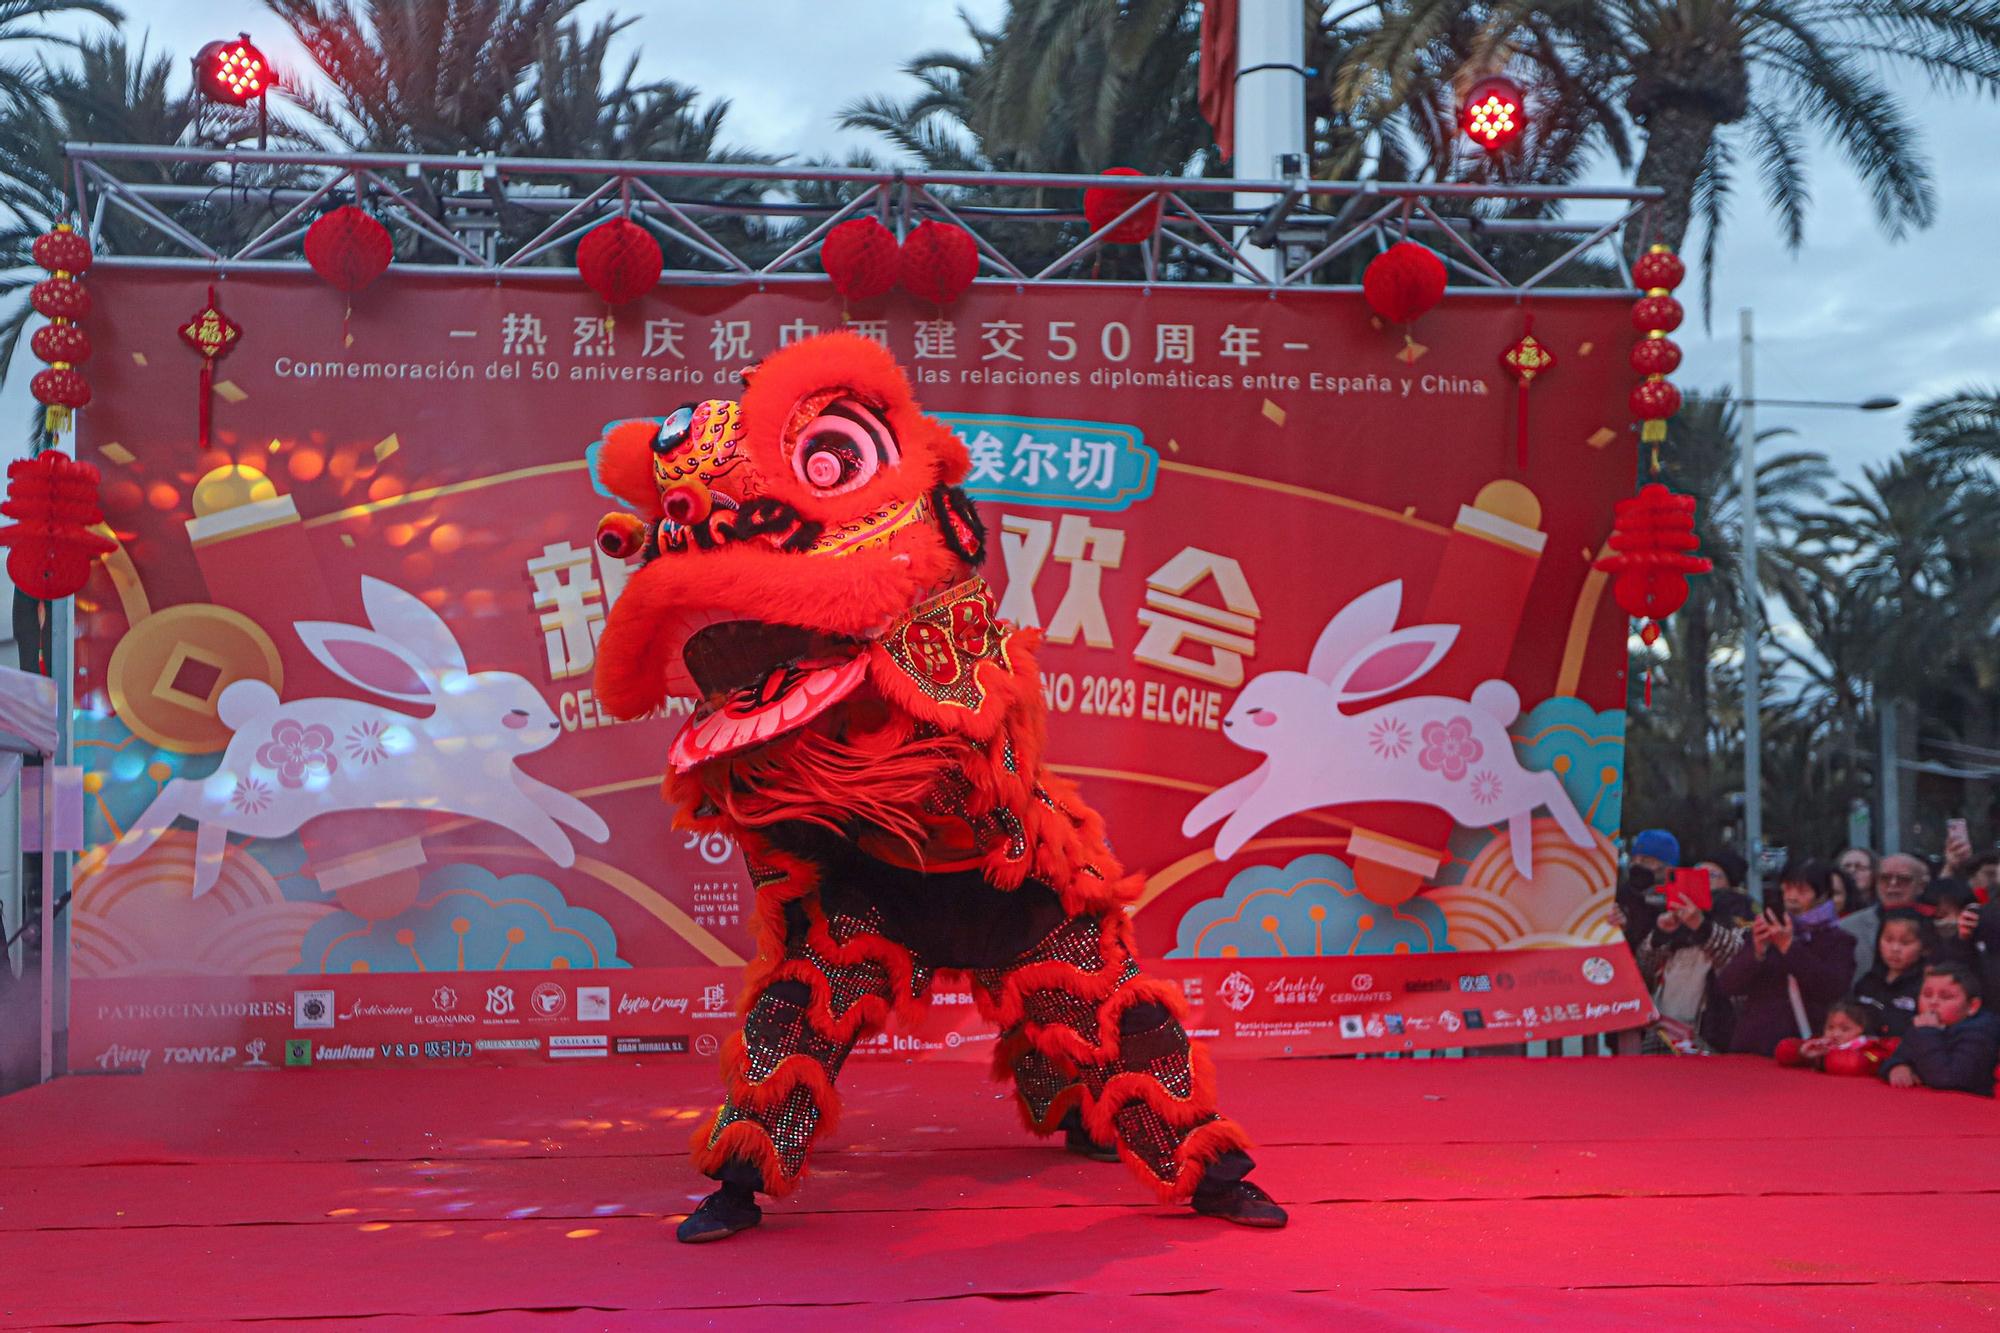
(1916, 549)
(1687, 747)
(571, 107)
(1713, 82)
(1070, 86)
(1961, 428)
(1060, 85)
(109, 92)
(423, 76)
(27, 21)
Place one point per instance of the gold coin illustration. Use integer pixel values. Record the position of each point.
(171, 668)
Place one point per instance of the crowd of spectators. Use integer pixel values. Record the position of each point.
(1867, 965)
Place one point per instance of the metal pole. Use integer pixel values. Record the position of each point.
(1270, 102)
(1753, 614)
(59, 872)
(1889, 774)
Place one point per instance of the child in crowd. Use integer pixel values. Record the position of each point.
(1951, 1043)
(1887, 993)
(1844, 1046)
(1793, 968)
(1944, 901)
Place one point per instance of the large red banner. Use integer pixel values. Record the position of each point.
(350, 797)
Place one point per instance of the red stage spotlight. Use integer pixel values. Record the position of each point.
(1494, 114)
(234, 72)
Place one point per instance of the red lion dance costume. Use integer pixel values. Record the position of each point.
(872, 737)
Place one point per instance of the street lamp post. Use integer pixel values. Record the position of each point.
(1753, 617)
(1753, 590)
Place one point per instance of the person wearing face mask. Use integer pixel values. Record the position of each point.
(1799, 961)
(1952, 1044)
(1898, 883)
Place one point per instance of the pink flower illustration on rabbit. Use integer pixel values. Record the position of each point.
(366, 743)
(296, 750)
(1486, 786)
(1450, 749)
(252, 796)
(1389, 738)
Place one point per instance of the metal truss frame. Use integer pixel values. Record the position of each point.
(446, 213)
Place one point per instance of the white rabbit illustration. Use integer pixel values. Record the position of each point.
(289, 762)
(1430, 750)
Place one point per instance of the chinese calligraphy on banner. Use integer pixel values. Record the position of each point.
(1199, 496)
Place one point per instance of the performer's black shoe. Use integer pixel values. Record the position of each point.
(731, 1209)
(1241, 1202)
(1077, 1139)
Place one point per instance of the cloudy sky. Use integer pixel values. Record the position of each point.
(1850, 316)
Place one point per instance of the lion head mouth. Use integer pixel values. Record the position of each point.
(732, 655)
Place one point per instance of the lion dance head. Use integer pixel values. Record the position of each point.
(782, 537)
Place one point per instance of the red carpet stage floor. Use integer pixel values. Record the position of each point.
(1424, 1194)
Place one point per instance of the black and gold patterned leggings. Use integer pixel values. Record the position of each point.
(1081, 1028)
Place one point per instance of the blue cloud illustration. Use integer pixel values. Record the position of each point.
(1583, 747)
(466, 919)
(1309, 909)
(1463, 849)
(123, 773)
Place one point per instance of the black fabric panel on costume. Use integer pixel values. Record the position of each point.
(953, 920)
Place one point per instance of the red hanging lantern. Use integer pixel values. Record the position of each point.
(1656, 356)
(62, 250)
(1101, 204)
(52, 499)
(64, 253)
(1527, 360)
(213, 335)
(348, 248)
(620, 261)
(939, 261)
(1653, 401)
(1658, 268)
(1653, 547)
(62, 343)
(860, 256)
(1401, 284)
(1656, 314)
(60, 298)
(60, 387)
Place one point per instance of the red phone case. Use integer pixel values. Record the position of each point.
(1692, 885)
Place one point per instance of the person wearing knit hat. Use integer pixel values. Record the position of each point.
(1658, 850)
(1656, 854)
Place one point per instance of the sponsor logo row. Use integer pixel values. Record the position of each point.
(304, 1052)
(1239, 991)
(498, 1004)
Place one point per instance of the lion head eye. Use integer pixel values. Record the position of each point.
(843, 448)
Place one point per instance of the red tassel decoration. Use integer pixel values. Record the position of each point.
(212, 334)
(1527, 359)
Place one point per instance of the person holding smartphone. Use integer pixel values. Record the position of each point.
(1798, 962)
(1690, 942)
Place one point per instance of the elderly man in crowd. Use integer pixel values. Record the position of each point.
(1898, 882)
